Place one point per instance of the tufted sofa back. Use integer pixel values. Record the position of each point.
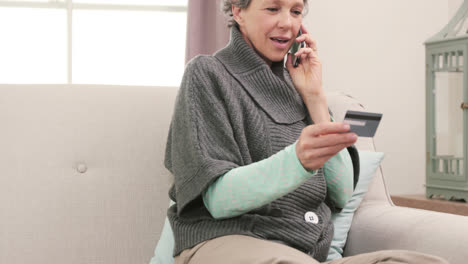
(82, 179)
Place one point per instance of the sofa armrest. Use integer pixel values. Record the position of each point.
(380, 226)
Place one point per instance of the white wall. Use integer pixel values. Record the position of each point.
(373, 50)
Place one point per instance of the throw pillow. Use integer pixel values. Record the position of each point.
(369, 162)
(165, 246)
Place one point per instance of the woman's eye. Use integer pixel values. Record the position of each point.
(272, 9)
(297, 13)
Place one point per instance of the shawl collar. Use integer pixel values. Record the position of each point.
(271, 88)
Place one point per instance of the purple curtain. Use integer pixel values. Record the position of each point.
(207, 29)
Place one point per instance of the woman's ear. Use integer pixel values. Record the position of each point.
(237, 14)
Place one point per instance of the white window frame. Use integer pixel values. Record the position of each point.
(69, 6)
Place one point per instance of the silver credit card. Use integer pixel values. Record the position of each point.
(364, 124)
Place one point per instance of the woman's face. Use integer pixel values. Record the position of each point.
(270, 26)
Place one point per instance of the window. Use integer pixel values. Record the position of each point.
(116, 42)
(33, 45)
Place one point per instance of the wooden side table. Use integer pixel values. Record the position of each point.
(421, 202)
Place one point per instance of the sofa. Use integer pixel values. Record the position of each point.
(82, 180)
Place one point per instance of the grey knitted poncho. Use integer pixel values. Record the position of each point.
(232, 110)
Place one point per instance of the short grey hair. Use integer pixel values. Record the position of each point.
(242, 4)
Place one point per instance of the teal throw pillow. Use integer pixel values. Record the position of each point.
(369, 163)
(165, 246)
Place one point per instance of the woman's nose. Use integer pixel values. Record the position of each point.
(285, 20)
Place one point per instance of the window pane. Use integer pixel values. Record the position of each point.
(128, 47)
(136, 2)
(40, 1)
(33, 46)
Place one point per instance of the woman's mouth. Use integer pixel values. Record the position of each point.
(280, 43)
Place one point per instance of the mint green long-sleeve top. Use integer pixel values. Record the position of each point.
(249, 187)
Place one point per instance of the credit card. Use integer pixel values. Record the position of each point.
(364, 124)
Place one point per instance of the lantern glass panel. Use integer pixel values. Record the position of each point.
(449, 121)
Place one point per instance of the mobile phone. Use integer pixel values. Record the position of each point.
(295, 47)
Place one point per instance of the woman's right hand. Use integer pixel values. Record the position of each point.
(319, 142)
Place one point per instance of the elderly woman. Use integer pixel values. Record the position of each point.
(259, 166)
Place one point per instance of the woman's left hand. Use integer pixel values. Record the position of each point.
(307, 76)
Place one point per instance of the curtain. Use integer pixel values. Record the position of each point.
(207, 29)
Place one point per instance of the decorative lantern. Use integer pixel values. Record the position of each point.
(446, 109)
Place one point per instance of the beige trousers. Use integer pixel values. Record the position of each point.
(237, 249)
